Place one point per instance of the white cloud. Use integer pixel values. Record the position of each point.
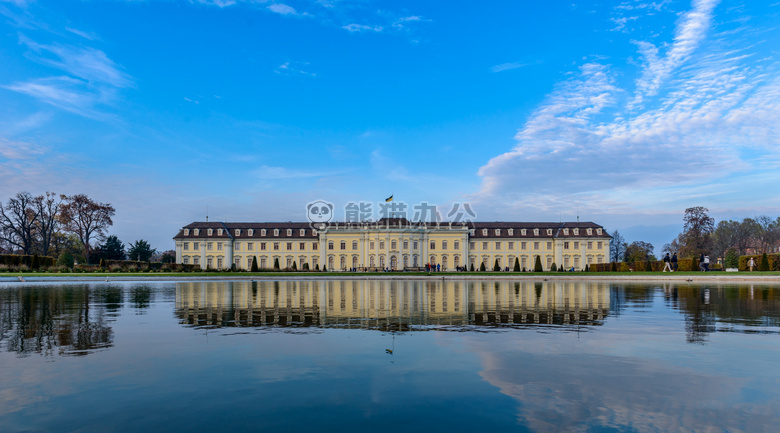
(66, 93)
(361, 28)
(282, 9)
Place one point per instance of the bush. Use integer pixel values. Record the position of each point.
(517, 265)
(649, 266)
(496, 268)
(276, 264)
(254, 264)
(482, 267)
(764, 263)
(553, 267)
(538, 265)
(614, 267)
(472, 267)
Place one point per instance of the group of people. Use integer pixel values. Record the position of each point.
(431, 267)
(670, 263)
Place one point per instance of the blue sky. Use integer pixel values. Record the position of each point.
(625, 113)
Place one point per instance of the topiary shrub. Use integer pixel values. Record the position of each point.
(517, 265)
(496, 267)
(254, 264)
(764, 265)
(614, 267)
(482, 267)
(276, 264)
(587, 268)
(553, 267)
(538, 264)
(472, 267)
(294, 266)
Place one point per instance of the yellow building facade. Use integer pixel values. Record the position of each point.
(393, 244)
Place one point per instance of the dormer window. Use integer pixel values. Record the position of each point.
(536, 232)
(511, 232)
(186, 232)
(276, 232)
(576, 232)
(484, 232)
(498, 232)
(566, 232)
(472, 232)
(314, 232)
(262, 232)
(210, 232)
(196, 232)
(522, 232)
(250, 232)
(219, 232)
(238, 232)
(598, 231)
(590, 231)
(303, 232)
(549, 232)
(289, 232)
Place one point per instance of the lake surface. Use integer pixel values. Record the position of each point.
(395, 356)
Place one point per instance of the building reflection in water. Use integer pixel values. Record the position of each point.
(391, 304)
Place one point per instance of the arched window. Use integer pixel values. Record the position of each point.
(456, 261)
(330, 263)
(406, 245)
(432, 261)
(371, 261)
(433, 245)
(406, 261)
(457, 245)
(343, 262)
(330, 245)
(382, 261)
(343, 245)
(444, 245)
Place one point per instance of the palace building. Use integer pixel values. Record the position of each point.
(392, 243)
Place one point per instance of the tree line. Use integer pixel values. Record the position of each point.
(701, 235)
(53, 224)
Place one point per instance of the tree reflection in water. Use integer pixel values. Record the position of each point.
(64, 320)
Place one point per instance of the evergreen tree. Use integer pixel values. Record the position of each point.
(496, 267)
(306, 266)
(587, 268)
(553, 267)
(295, 266)
(141, 251)
(764, 266)
(472, 267)
(538, 264)
(65, 259)
(276, 264)
(324, 268)
(517, 265)
(254, 264)
(482, 267)
(317, 267)
(732, 258)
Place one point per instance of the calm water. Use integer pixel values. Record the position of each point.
(395, 356)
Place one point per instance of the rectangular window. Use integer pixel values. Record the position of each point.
(576, 245)
(237, 246)
(186, 260)
(381, 245)
(196, 246)
(415, 245)
(314, 246)
(484, 245)
(219, 247)
(186, 246)
(536, 245)
(262, 262)
(498, 245)
(549, 245)
(276, 246)
(289, 246)
(565, 245)
(262, 246)
(599, 245)
(406, 245)
(472, 245)
(590, 245)
(457, 245)
(510, 245)
(523, 245)
(250, 246)
(371, 245)
(210, 246)
(302, 246)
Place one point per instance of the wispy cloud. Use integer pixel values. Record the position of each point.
(361, 28)
(86, 35)
(508, 66)
(294, 68)
(708, 111)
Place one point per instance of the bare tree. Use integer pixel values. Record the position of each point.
(18, 220)
(767, 232)
(87, 219)
(47, 207)
(698, 227)
(617, 247)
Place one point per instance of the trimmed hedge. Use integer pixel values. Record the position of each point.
(32, 262)
(773, 259)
